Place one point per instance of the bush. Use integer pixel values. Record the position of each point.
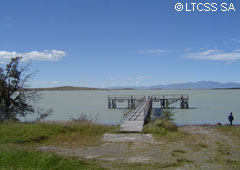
(83, 118)
(167, 115)
(162, 125)
(159, 123)
(170, 126)
(150, 128)
(167, 125)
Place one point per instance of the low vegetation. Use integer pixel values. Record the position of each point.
(162, 126)
(230, 130)
(68, 134)
(12, 158)
(178, 148)
(84, 118)
(18, 140)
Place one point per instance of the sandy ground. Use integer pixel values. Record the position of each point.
(201, 147)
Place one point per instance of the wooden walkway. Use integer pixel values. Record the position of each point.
(135, 119)
(139, 108)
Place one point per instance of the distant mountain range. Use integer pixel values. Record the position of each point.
(177, 86)
(190, 85)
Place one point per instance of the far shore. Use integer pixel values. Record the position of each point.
(74, 88)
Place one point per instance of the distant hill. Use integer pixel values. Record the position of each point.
(177, 86)
(190, 85)
(64, 88)
(198, 85)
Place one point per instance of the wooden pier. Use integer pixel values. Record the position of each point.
(164, 100)
(140, 107)
(167, 100)
(136, 118)
(132, 100)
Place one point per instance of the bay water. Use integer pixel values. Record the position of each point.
(206, 106)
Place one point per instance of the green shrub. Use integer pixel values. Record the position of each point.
(159, 123)
(150, 128)
(170, 126)
(167, 114)
(160, 126)
(167, 125)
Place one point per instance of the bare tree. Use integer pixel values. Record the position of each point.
(15, 97)
(43, 113)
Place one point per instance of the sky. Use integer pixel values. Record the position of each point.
(106, 43)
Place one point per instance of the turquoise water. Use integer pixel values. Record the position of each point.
(207, 106)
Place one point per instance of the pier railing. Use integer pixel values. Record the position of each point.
(178, 96)
(133, 100)
(125, 97)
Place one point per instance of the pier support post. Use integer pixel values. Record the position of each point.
(114, 104)
(109, 104)
(163, 103)
(129, 104)
(184, 104)
(132, 103)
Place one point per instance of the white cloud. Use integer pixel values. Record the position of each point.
(237, 50)
(235, 40)
(6, 22)
(47, 55)
(187, 49)
(137, 82)
(143, 77)
(151, 51)
(215, 54)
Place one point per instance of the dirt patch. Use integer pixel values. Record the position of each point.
(138, 138)
(210, 135)
(204, 147)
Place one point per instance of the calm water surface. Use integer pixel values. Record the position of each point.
(207, 106)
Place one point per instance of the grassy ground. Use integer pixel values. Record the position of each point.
(189, 147)
(230, 130)
(16, 159)
(65, 134)
(16, 136)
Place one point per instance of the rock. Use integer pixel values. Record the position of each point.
(218, 124)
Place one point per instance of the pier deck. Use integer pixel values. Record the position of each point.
(135, 120)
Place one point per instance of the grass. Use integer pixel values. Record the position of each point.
(164, 130)
(12, 158)
(23, 159)
(230, 130)
(179, 151)
(230, 163)
(67, 134)
(17, 141)
(163, 126)
(144, 166)
(223, 149)
(17, 138)
(14, 137)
